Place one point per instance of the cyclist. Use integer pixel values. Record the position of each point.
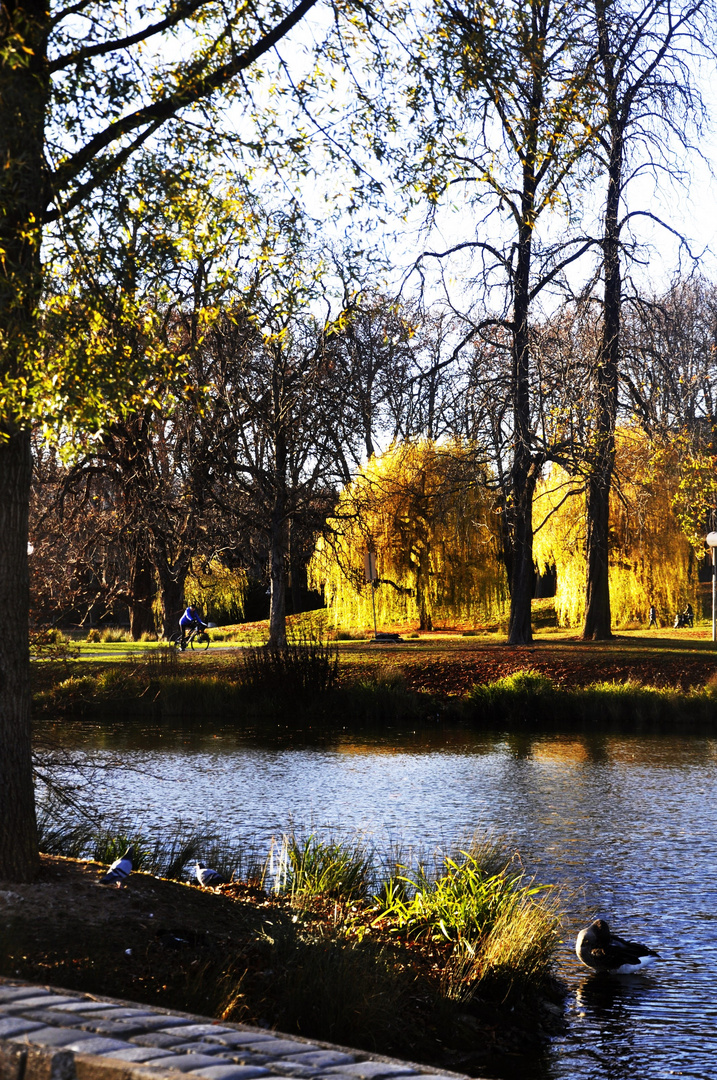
(190, 620)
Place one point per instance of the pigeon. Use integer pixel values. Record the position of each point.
(209, 878)
(120, 869)
(601, 950)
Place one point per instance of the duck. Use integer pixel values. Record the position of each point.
(209, 878)
(602, 950)
(120, 869)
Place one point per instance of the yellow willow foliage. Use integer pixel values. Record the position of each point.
(650, 557)
(217, 591)
(425, 510)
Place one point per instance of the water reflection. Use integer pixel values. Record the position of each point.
(628, 827)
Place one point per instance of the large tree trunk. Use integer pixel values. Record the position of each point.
(23, 99)
(172, 579)
(279, 548)
(141, 589)
(523, 472)
(597, 599)
(18, 831)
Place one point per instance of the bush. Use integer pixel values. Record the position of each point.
(93, 636)
(297, 672)
(114, 633)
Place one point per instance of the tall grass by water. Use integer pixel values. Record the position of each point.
(529, 697)
(473, 908)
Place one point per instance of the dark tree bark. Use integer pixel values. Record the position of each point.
(597, 597)
(523, 472)
(172, 579)
(142, 589)
(279, 549)
(644, 75)
(18, 832)
(23, 100)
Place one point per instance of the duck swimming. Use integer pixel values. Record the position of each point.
(600, 950)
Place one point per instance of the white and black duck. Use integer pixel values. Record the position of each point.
(209, 878)
(120, 869)
(602, 950)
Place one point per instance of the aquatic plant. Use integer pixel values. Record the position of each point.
(311, 867)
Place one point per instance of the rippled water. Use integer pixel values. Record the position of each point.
(627, 825)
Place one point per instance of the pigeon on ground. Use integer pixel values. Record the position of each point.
(120, 869)
(600, 950)
(209, 878)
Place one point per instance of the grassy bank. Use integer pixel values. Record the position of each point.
(317, 685)
(449, 962)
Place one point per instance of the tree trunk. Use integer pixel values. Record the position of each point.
(523, 472)
(172, 579)
(277, 568)
(141, 586)
(279, 548)
(18, 830)
(597, 625)
(23, 100)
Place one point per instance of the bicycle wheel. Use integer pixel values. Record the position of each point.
(200, 641)
(176, 640)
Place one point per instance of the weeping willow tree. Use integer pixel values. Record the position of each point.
(425, 510)
(218, 591)
(650, 558)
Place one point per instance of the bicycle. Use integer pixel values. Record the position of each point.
(197, 639)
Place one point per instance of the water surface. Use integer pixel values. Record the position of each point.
(628, 826)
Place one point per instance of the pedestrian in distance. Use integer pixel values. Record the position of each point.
(653, 617)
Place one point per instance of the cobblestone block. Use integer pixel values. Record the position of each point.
(290, 1068)
(50, 1016)
(157, 1038)
(16, 1025)
(140, 1054)
(198, 1046)
(193, 1031)
(96, 1044)
(102, 1011)
(238, 1038)
(322, 1059)
(281, 1047)
(187, 1062)
(78, 1005)
(371, 1070)
(16, 993)
(230, 1072)
(50, 1036)
(153, 1021)
(12, 1061)
(238, 1056)
(46, 1065)
(42, 1000)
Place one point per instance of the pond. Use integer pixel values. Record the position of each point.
(627, 825)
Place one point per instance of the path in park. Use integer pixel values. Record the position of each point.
(48, 1034)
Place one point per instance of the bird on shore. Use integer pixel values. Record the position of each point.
(120, 869)
(602, 950)
(209, 878)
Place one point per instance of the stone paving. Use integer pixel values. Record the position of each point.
(47, 1034)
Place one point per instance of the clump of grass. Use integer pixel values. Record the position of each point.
(312, 867)
(52, 645)
(525, 695)
(173, 855)
(495, 928)
(93, 636)
(114, 634)
(348, 991)
(297, 672)
(161, 660)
